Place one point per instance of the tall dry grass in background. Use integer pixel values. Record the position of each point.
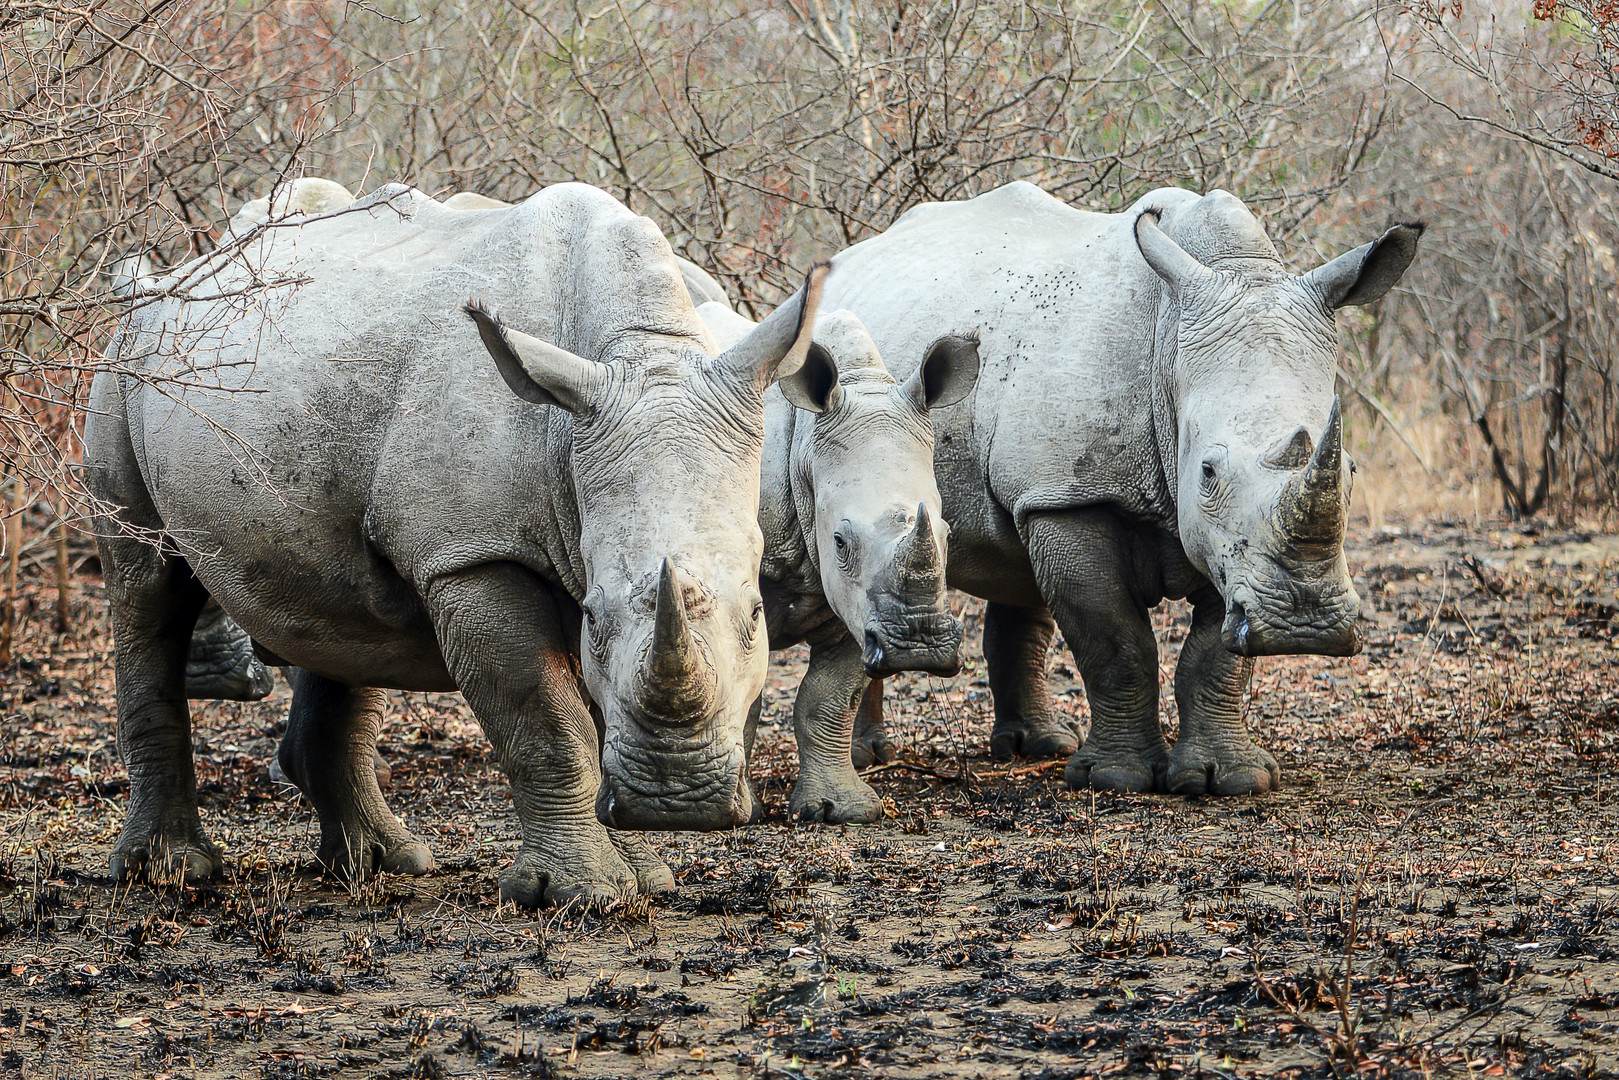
(760, 135)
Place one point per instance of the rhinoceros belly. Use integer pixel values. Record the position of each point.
(267, 499)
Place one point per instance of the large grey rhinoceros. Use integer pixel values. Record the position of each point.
(855, 544)
(847, 469)
(322, 445)
(1155, 419)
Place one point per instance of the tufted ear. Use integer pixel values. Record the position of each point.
(947, 374)
(777, 346)
(1362, 276)
(814, 386)
(536, 370)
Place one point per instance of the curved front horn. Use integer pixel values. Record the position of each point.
(1312, 508)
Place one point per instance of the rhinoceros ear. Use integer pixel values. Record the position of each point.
(1168, 259)
(1365, 274)
(777, 346)
(948, 373)
(536, 370)
(814, 386)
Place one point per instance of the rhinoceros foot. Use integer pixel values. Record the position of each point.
(365, 849)
(826, 798)
(360, 836)
(221, 665)
(1222, 768)
(329, 754)
(1095, 769)
(587, 870)
(871, 745)
(1037, 737)
(173, 855)
(652, 874)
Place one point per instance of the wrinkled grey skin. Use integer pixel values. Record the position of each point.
(221, 665)
(855, 544)
(568, 535)
(1155, 419)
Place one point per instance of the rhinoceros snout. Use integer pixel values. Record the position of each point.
(937, 652)
(619, 808)
(1330, 634)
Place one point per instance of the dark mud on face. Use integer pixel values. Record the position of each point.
(1434, 892)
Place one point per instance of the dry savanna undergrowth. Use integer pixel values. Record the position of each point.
(1434, 893)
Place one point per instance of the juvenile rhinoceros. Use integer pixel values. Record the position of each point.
(855, 545)
(321, 443)
(1155, 419)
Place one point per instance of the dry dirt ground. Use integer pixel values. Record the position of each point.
(1434, 893)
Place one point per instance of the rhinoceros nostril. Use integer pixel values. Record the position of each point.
(873, 654)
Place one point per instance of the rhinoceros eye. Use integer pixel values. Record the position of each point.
(750, 627)
(843, 546)
(591, 607)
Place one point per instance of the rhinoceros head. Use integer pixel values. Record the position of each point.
(665, 468)
(1256, 455)
(874, 509)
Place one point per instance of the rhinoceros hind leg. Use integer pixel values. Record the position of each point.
(872, 745)
(329, 752)
(828, 789)
(221, 665)
(155, 601)
(379, 764)
(1084, 561)
(502, 630)
(1215, 755)
(1016, 644)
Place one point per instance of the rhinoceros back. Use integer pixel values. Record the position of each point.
(1067, 312)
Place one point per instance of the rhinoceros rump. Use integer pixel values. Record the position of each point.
(384, 507)
(1155, 419)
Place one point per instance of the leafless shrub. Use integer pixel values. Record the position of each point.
(1513, 306)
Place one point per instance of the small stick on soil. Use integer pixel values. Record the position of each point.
(1494, 588)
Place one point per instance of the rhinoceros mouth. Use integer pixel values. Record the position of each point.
(617, 810)
(655, 784)
(929, 643)
(1244, 635)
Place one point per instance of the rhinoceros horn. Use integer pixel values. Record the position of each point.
(919, 555)
(1312, 505)
(674, 685)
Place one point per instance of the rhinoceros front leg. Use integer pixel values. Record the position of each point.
(872, 745)
(1017, 642)
(500, 628)
(1215, 755)
(1085, 565)
(221, 665)
(828, 788)
(329, 753)
(155, 601)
